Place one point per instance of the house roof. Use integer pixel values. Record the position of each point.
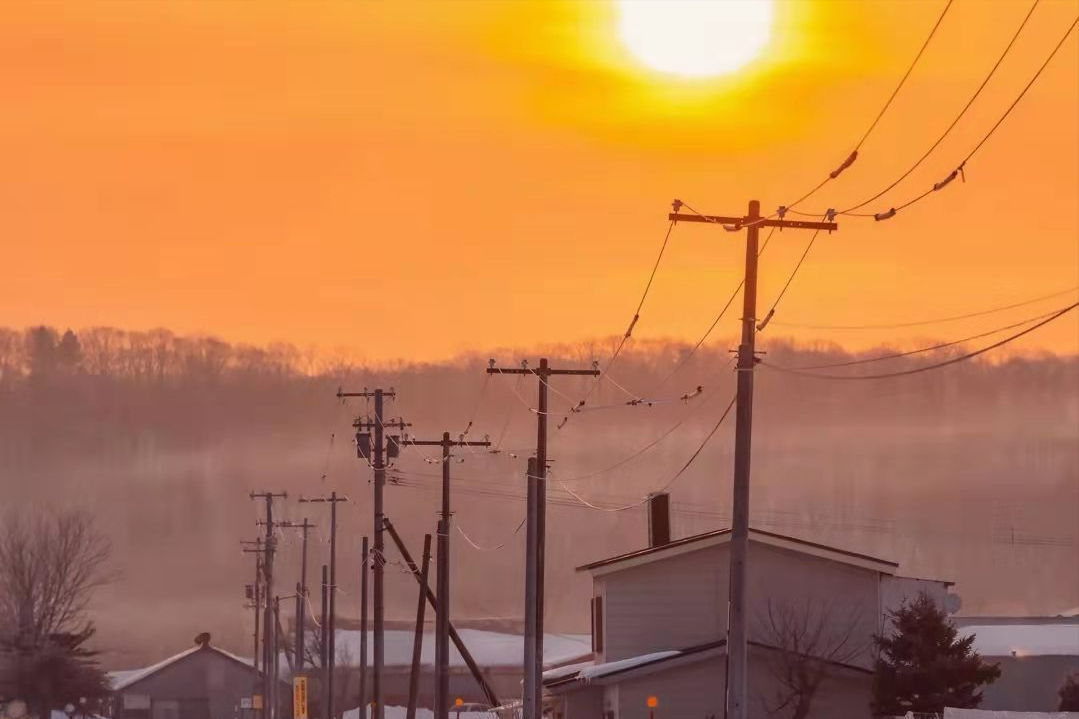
(1024, 639)
(722, 536)
(587, 672)
(125, 679)
(489, 649)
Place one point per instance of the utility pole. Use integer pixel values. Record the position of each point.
(477, 674)
(323, 663)
(331, 647)
(380, 452)
(536, 537)
(417, 642)
(301, 593)
(255, 547)
(268, 627)
(442, 562)
(363, 628)
(737, 632)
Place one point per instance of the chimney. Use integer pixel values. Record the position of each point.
(659, 519)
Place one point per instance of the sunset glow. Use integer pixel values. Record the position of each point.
(695, 38)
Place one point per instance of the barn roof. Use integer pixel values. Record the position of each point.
(124, 679)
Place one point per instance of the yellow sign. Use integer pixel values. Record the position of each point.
(256, 701)
(299, 698)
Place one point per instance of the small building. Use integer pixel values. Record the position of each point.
(203, 682)
(1035, 654)
(659, 618)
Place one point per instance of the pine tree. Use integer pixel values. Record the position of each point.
(924, 666)
(1069, 694)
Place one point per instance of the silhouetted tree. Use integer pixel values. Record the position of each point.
(50, 564)
(808, 639)
(1069, 694)
(68, 352)
(924, 666)
(41, 351)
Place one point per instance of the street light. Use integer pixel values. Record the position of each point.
(652, 703)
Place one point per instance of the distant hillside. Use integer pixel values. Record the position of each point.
(970, 473)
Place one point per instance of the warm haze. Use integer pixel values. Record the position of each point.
(343, 174)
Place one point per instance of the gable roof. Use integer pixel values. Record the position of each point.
(722, 536)
(125, 679)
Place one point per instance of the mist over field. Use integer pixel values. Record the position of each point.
(969, 473)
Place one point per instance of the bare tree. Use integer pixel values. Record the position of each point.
(50, 564)
(805, 641)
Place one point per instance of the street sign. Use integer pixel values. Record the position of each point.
(256, 701)
(245, 702)
(299, 698)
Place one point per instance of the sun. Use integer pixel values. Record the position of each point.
(695, 38)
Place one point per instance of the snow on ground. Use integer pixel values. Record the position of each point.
(568, 670)
(1004, 640)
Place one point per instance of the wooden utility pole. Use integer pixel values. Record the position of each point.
(536, 538)
(737, 632)
(324, 688)
(466, 655)
(301, 593)
(417, 642)
(268, 627)
(379, 452)
(363, 628)
(255, 547)
(331, 647)
(442, 561)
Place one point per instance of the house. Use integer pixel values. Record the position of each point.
(1035, 655)
(659, 626)
(203, 682)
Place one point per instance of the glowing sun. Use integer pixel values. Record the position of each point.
(695, 38)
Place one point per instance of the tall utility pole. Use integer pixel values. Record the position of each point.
(331, 646)
(323, 662)
(737, 633)
(537, 538)
(301, 593)
(378, 451)
(363, 628)
(255, 547)
(268, 628)
(442, 562)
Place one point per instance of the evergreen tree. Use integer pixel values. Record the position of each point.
(1069, 694)
(923, 666)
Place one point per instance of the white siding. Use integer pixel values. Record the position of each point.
(681, 601)
(669, 604)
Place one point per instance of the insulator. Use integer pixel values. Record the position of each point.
(884, 215)
(846, 163)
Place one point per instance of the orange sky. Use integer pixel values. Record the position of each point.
(417, 178)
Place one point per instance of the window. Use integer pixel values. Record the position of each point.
(597, 624)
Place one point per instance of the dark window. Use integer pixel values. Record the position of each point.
(597, 624)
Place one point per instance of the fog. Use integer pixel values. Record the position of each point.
(968, 473)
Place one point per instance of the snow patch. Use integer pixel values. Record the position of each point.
(601, 670)
(1024, 640)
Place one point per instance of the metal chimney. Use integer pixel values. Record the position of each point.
(659, 519)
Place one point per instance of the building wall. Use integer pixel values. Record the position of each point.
(1028, 683)
(667, 604)
(894, 591)
(204, 679)
(698, 690)
(682, 601)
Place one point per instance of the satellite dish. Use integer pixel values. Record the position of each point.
(952, 603)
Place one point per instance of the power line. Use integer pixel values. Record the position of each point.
(938, 365)
(958, 117)
(922, 350)
(771, 313)
(903, 80)
(629, 330)
(959, 170)
(919, 323)
(670, 483)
